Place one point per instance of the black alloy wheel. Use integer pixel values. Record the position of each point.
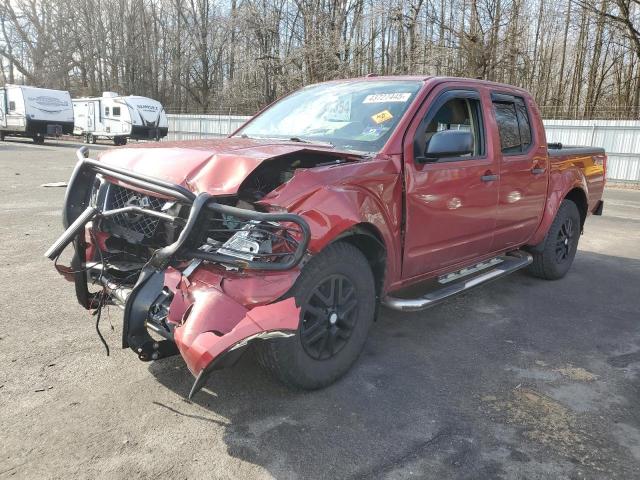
(328, 317)
(564, 240)
(336, 294)
(554, 256)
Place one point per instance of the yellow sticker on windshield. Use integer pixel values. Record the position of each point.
(381, 117)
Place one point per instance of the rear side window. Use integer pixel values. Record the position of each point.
(523, 123)
(514, 126)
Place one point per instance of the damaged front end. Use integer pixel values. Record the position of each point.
(142, 241)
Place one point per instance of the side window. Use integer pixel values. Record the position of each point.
(116, 111)
(458, 114)
(12, 106)
(513, 125)
(523, 122)
(106, 111)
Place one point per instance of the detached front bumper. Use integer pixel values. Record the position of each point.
(205, 315)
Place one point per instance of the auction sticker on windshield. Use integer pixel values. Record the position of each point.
(382, 116)
(387, 97)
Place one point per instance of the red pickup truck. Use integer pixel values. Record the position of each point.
(290, 233)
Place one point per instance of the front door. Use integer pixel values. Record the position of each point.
(523, 172)
(451, 199)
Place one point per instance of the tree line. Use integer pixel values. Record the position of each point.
(580, 59)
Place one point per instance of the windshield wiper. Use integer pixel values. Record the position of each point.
(304, 140)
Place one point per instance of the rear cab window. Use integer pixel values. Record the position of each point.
(514, 126)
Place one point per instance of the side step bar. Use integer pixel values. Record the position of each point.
(509, 264)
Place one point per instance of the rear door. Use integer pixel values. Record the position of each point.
(451, 203)
(523, 171)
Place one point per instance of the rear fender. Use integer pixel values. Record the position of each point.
(560, 184)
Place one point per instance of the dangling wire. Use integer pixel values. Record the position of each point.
(98, 313)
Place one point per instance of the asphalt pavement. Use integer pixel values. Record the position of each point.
(518, 379)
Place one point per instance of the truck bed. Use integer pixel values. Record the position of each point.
(559, 150)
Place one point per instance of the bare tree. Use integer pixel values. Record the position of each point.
(578, 58)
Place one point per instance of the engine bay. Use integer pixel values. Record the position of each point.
(142, 223)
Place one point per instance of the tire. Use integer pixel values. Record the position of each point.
(319, 354)
(91, 138)
(560, 244)
(1, 136)
(38, 139)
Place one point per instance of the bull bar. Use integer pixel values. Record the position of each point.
(79, 209)
(78, 212)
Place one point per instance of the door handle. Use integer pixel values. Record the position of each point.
(489, 177)
(537, 170)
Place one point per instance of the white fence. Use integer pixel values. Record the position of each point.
(192, 127)
(619, 138)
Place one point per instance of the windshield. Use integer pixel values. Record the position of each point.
(357, 115)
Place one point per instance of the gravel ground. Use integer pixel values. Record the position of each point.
(521, 378)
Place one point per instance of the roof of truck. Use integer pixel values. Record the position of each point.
(424, 78)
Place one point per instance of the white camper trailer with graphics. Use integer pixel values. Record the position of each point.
(34, 112)
(118, 118)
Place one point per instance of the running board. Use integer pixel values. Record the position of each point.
(509, 264)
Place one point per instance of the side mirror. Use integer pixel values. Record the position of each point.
(448, 143)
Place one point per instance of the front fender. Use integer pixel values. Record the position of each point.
(343, 197)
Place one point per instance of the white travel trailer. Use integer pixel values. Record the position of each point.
(34, 112)
(118, 118)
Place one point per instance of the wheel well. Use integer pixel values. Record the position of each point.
(369, 242)
(578, 197)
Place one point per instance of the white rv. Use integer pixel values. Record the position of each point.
(34, 112)
(118, 118)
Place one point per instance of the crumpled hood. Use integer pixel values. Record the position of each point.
(215, 166)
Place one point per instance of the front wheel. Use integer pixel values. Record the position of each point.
(336, 295)
(560, 244)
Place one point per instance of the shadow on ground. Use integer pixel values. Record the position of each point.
(464, 390)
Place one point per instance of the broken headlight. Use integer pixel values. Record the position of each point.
(251, 241)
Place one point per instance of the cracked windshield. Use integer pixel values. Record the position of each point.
(356, 116)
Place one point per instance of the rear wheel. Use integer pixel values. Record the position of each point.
(38, 139)
(560, 244)
(336, 295)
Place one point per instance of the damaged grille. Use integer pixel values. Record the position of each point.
(143, 227)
